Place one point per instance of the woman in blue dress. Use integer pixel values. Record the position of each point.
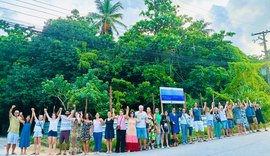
(25, 134)
(174, 120)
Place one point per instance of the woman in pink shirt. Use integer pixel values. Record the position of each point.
(121, 131)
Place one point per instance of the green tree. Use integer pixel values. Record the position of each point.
(59, 88)
(108, 16)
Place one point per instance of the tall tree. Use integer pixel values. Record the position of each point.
(108, 16)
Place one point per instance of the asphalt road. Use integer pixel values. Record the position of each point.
(247, 145)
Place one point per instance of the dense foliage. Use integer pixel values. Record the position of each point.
(70, 61)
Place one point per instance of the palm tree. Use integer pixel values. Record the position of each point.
(107, 16)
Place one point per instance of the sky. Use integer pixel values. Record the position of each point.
(240, 16)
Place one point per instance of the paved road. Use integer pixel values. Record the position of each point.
(248, 145)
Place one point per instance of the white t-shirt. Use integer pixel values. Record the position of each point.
(209, 117)
(53, 124)
(65, 123)
(38, 126)
(97, 126)
(142, 116)
(222, 115)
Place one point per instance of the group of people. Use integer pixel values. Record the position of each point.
(135, 131)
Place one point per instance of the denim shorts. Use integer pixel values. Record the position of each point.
(230, 124)
(225, 124)
(210, 123)
(12, 138)
(52, 134)
(141, 133)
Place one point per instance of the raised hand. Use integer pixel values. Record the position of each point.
(13, 106)
(32, 109)
(45, 109)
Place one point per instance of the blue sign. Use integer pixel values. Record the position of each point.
(172, 95)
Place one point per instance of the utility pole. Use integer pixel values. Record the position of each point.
(262, 37)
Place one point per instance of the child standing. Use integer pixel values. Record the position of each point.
(25, 134)
(165, 131)
(209, 119)
(190, 126)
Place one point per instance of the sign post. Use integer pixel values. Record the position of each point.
(171, 96)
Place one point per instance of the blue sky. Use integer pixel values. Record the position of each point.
(240, 16)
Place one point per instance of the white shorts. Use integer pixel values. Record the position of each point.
(198, 125)
(12, 138)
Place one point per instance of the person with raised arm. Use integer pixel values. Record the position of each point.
(223, 118)
(250, 112)
(132, 144)
(244, 119)
(237, 115)
(175, 129)
(229, 116)
(109, 130)
(121, 131)
(52, 131)
(217, 122)
(13, 130)
(198, 123)
(97, 132)
(141, 127)
(39, 123)
(25, 134)
(75, 144)
(86, 132)
(260, 119)
(65, 128)
(209, 119)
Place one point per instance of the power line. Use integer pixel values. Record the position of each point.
(20, 22)
(29, 8)
(41, 7)
(24, 13)
(21, 25)
(52, 5)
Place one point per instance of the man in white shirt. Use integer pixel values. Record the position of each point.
(65, 129)
(141, 126)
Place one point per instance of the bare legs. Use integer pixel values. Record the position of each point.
(210, 133)
(52, 145)
(85, 147)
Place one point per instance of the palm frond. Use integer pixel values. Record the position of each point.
(116, 7)
(100, 5)
(116, 15)
(94, 15)
(119, 23)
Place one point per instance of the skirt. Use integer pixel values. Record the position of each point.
(109, 134)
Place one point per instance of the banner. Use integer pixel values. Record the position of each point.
(172, 95)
